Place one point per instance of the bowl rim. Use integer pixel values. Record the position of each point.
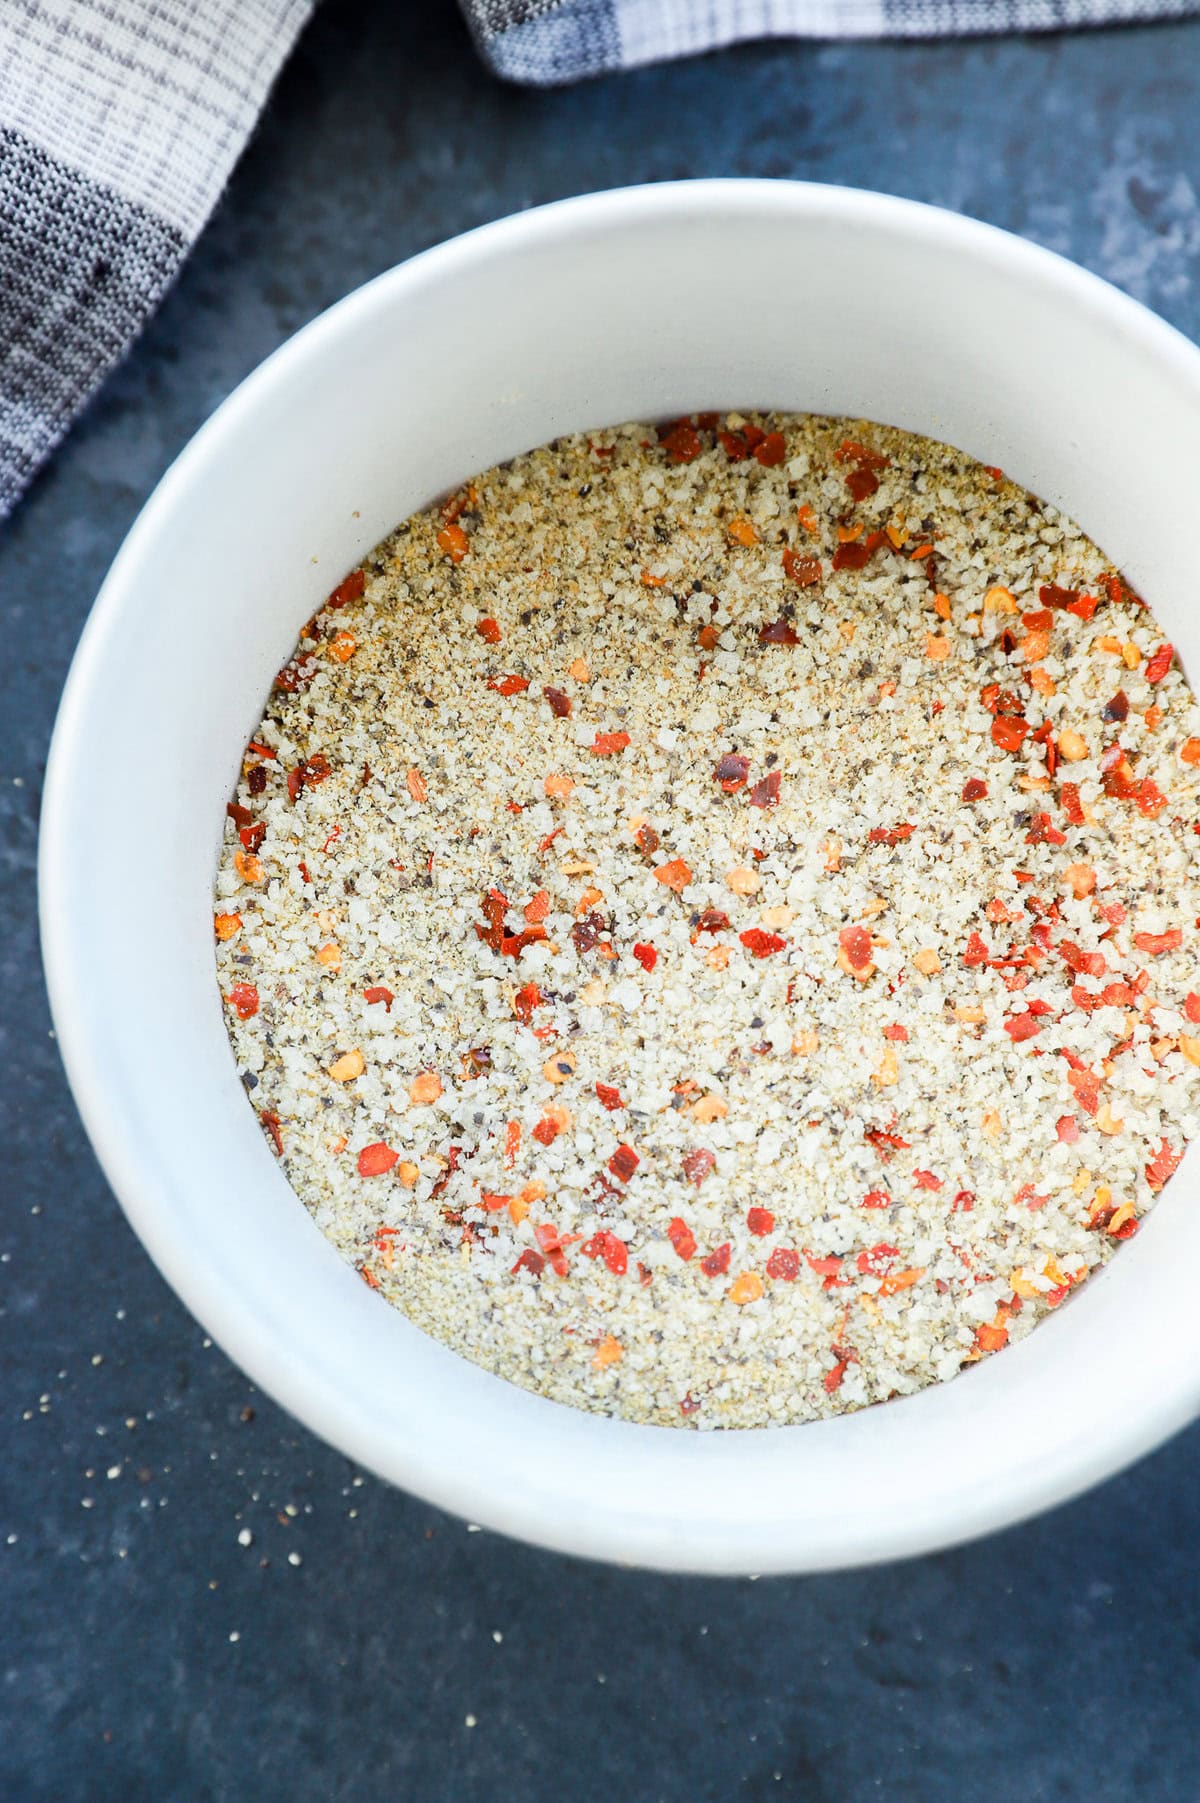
(141, 1188)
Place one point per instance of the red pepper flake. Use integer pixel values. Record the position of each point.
(612, 1250)
(804, 571)
(680, 441)
(252, 836)
(856, 944)
(779, 632)
(1028, 1197)
(890, 835)
(713, 920)
(646, 956)
(734, 446)
(554, 1246)
(885, 1141)
(876, 1261)
(525, 1001)
(963, 1202)
(609, 1097)
(760, 1221)
(624, 1162)
(1159, 663)
(508, 685)
(862, 482)
(976, 952)
(1022, 1026)
(682, 1238)
(1084, 964)
(852, 556)
(241, 817)
(548, 841)
(492, 1202)
(784, 1265)
(378, 993)
(302, 867)
(489, 630)
(1071, 804)
(1042, 833)
(512, 1143)
(698, 1164)
(732, 772)
(832, 1379)
(765, 793)
(974, 789)
(1158, 943)
(1191, 1007)
(771, 450)
(608, 744)
(761, 944)
(1008, 732)
(717, 1263)
(560, 702)
(1149, 798)
(243, 999)
(351, 589)
(876, 1198)
(376, 1160)
(546, 1131)
(1067, 1129)
(926, 1180)
(530, 1261)
(851, 451)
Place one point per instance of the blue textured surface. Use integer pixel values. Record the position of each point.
(145, 1654)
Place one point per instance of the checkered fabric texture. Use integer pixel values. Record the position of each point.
(120, 121)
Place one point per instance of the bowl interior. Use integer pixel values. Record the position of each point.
(638, 304)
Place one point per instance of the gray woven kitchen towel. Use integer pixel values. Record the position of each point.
(120, 121)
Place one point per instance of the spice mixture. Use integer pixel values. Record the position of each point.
(707, 917)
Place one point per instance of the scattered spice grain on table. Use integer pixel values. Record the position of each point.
(707, 919)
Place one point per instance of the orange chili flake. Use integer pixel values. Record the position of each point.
(674, 875)
(508, 686)
(608, 1352)
(650, 581)
(537, 907)
(226, 925)
(454, 542)
(489, 630)
(608, 744)
(808, 519)
(746, 1287)
(742, 531)
(512, 1142)
(342, 646)
(247, 867)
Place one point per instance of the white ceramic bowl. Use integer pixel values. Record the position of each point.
(642, 303)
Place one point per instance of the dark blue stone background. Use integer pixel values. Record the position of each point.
(147, 1655)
